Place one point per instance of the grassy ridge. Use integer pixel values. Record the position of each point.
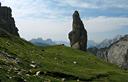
(26, 62)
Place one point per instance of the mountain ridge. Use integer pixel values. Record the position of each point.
(115, 53)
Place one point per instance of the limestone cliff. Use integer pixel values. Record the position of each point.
(117, 53)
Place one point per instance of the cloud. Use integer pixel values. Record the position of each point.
(76, 3)
(114, 3)
(30, 9)
(105, 24)
(54, 29)
(52, 18)
(58, 30)
(63, 9)
(95, 3)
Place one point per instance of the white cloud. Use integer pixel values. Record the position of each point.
(114, 3)
(32, 9)
(28, 15)
(76, 3)
(57, 30)
(104, 24)
(42, 8)
(102, 4)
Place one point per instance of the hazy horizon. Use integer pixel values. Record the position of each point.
(53, 18)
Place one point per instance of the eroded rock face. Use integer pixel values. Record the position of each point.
(7, 22)
(78, 35)
(116, 53)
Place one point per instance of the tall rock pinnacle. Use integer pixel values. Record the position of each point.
(78, 35)
(7, 22)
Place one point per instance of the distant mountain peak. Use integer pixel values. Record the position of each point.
(47, 42)
(108, 42)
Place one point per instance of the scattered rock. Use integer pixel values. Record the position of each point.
(19, 73)
(10, 77)
(63, 79)
(78, 35)
(8, 58)
(37, 73)
(74, 62)
(33, 62)
(33, 65)
(77, 80)
(27, 75)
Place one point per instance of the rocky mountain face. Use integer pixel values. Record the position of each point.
(78, 35)
(108, 42)
(116, 53)
(7, 22)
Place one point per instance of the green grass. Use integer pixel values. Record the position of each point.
(54, 63)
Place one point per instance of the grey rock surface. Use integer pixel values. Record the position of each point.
(78, 35)
(108, 42)
(116, 53)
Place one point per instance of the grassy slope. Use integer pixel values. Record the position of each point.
(54, 63)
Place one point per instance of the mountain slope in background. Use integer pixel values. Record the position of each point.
(116, 53)
(108, 42)
(41, 42)
(48, 42)
(91, 44)
(20, 61)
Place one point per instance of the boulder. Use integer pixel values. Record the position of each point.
(78, 35)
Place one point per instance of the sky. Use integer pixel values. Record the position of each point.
(53, 18)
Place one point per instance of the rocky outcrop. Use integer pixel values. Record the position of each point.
(116, 53)
(7, 22)
(108, 42)
(78, 35)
